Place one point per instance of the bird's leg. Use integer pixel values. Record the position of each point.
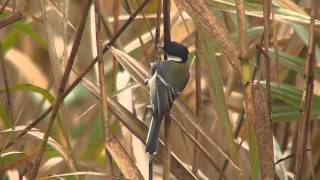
(148, 108)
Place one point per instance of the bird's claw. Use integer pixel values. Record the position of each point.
(146, 82)
(149, 107)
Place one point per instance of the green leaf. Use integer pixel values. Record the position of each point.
(9, 157)
(292, 96)
(31, 88)
(95, 140)
(4, 117)
(304, 35)
(23, 26)
(216, 90)
(292, 62)
(251, 33)
(27, 29)
(10, 40)
(254, 156)
(284, 113)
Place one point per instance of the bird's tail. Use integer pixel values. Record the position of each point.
(153, 136)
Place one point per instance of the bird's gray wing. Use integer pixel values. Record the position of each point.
(162, 97)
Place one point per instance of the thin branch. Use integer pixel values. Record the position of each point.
(10, 19)
(116, 13)
(63, 84)
(157, 35)
(4, 6)
(25, 14)
(6, 86)
(275, 47)
(167, 120)
(306, 100)
(195, 165)
(289, 156)
(8, 95)
(267, 61)
(104, 105)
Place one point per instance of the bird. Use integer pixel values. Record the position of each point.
(168, 79)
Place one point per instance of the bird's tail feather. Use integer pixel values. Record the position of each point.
(153, 136)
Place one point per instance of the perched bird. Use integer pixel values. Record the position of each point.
(168, 79)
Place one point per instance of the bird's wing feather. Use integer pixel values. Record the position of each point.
(162, 97)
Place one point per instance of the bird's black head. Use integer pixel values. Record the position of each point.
(177, 50)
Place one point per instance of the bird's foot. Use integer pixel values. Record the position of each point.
(149, 107)
(146, 82)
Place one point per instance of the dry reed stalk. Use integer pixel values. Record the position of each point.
(306, 100)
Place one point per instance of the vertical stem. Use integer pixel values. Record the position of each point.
(166, 21)
(266, 61)
(8, 96)
(195, 166)
(6, 86)
(104, 105)
(116, 13)
(157, 35)
(167, 148)
(306, 100)
(275, 46)
(167, 124)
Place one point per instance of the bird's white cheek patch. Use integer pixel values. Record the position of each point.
(174, 58)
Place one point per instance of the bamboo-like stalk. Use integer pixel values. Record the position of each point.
(8, 96)
(267, 61)
(122, 158)
(275, 47)
(306, 100)
(83, 73)
(62, 86)
(6, 86)
(116, 13)
(262, 127)
(195, 165)
(103, 94)
(157, 35)
(167, 120)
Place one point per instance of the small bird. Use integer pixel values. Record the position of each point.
(168, 79)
